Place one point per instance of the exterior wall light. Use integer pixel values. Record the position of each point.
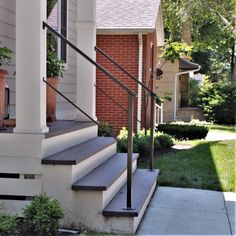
(159, 74)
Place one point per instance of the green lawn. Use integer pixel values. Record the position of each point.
(222, 128)
(208, 165)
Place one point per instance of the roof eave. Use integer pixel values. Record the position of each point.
(187, 65)
(125, 30)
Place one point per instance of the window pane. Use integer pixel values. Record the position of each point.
(64, 29)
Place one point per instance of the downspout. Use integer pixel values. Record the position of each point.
(140, 72)
(175, 87)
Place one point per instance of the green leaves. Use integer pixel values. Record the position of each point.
(5, 55)
(142, 141)
(218, 102)
(184, 131)
(8, 224)
(174, 50)
(55, 67)
(194, 89)
(212, 31)
(42, 215)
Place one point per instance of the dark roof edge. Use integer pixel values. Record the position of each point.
(184, 64)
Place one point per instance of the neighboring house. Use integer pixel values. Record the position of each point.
(175, 85)
(66, 159)
(130, 32)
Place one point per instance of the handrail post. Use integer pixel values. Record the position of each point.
(130, 151)
(152, 129)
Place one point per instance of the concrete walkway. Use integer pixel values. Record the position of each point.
(182, 211)
(215, 136)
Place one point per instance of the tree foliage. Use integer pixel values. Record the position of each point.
(50, 5)
(218, 102)
(174, 50)
(194, 89)
(212, 31)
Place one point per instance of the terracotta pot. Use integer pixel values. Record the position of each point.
(51, 99)
(3, 75)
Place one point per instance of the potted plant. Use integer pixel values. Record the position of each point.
(54, 71)
(5, 59)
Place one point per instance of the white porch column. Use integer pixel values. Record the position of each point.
(30, 67)
(86, 72)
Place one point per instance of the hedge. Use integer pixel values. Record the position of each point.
(184, 131)
(141, 141)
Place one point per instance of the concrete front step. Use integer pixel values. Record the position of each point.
(92, 186)
(122, 220)
(95, 211)
(65, 134)
(75, 162)
(93, 192)
(142, 182)
(101, 178)
(61, 127)
(79, 153)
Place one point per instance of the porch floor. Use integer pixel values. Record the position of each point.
(55, 128)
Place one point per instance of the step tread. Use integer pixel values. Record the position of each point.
(80, 152)
(102, 177)
(61, 127)
(142, 182)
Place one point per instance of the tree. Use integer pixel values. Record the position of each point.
(209, 25)
(218, 101)
(50, 5)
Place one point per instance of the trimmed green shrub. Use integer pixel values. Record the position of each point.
(42, 215)
(142, 142)
(218, 102)
(105, 129)
(184, 131)
(8, 224)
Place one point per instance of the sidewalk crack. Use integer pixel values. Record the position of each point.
(227, 216)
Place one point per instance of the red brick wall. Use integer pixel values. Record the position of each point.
(123, 49)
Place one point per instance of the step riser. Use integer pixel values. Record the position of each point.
(138, 219)
(125, 225)
(116, 186)
(68, 174)
(94, 220)
(97, 200)
(14, 207)
(85, 167)
(81, 200)
(59, 143)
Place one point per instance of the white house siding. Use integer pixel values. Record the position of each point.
(7, 37)
(67, 83)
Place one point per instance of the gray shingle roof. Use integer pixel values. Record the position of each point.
(127, 14)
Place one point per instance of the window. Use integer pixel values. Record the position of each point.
(62, 26)
(57, 19)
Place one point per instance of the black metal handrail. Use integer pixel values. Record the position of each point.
(125, 71)
(131, 95)
(113, 100)
(78, 108)
(101, 68)
(153, 101)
